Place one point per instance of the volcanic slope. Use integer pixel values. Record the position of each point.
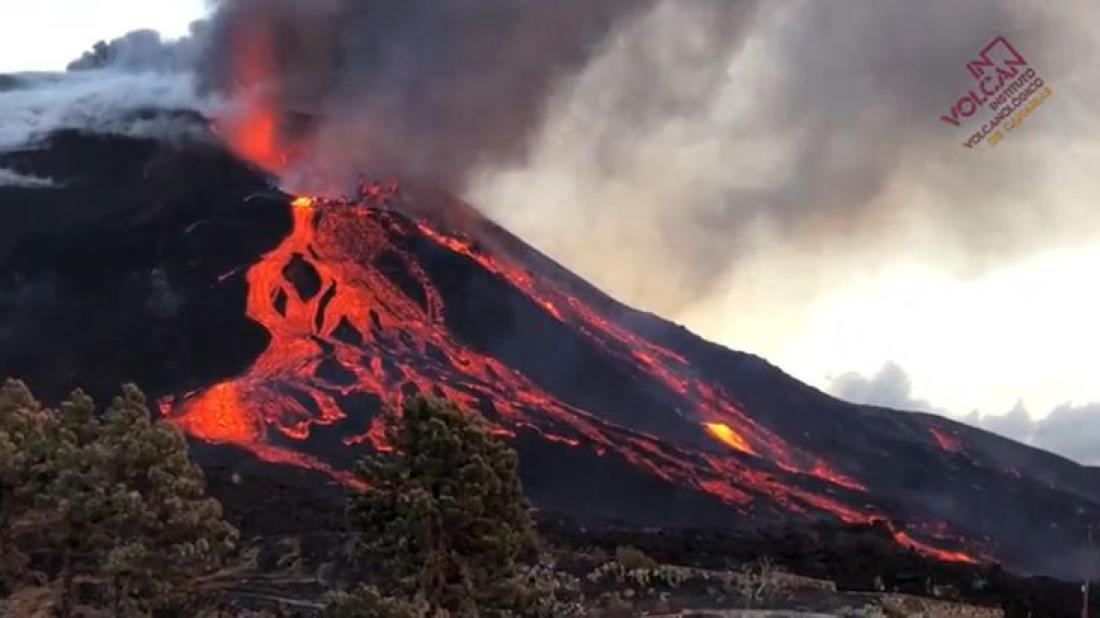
(292, 325)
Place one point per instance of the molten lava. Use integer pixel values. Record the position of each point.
(343, 327)
(252, 128)
(723, 432)
(946, 441)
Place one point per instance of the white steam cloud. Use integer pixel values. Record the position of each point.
(111, 89)
(11, 178)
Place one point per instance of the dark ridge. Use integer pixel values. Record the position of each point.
(347, 333)
(303, 276)
(84, 266)
(279, 302)
(332, 371)
(326, 298)
(393, 268)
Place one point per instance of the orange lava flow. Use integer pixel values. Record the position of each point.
(712, 406)
(350, 329)
(220, 415)
(947, 556)
(946, 441)
(251, 127)
(723, 432)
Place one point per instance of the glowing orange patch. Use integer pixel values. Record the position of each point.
(946, 441)
(219, 415)
(728, 436)
(948, 556)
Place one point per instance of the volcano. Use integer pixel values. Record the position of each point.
(293, 326)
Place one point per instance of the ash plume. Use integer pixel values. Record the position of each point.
(724, 158)
(415, 88)
(145, 50)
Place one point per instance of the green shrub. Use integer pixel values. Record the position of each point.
(633, 559)
(367, 601)
(443, 517)
(112, 496)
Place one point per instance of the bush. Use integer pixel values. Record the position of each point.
(368, 601)
(444, 518)
(634, 559)
(111, 497)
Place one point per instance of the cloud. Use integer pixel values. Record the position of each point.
(1016, 423)
(889, 387)
(145, 50)
(1069, 430)
(10, 178)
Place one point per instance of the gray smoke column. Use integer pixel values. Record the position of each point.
(145, 51)
(415, 88)
(755, 151)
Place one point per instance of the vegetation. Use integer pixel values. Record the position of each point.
(444, 520)
(106, 502)
(633, 558)
(102, 513)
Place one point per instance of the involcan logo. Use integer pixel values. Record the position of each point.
(1005, 85)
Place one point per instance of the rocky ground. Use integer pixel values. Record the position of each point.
(298, 550)
(289, 575)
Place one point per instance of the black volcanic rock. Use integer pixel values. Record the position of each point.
(132, 267)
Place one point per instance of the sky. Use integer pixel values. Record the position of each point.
(45, 35)
(776, 177)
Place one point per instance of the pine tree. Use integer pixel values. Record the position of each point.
(22, 450)
(169, 532)
(113, 496)
(75, 496)
(443, 517)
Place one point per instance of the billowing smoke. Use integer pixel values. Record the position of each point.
(722, 162)
(145, 50)
(666, 149)
(105, 100)
(124, 87)
(417, 88)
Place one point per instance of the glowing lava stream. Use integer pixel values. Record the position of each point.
(360, 333)
(945, 441)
